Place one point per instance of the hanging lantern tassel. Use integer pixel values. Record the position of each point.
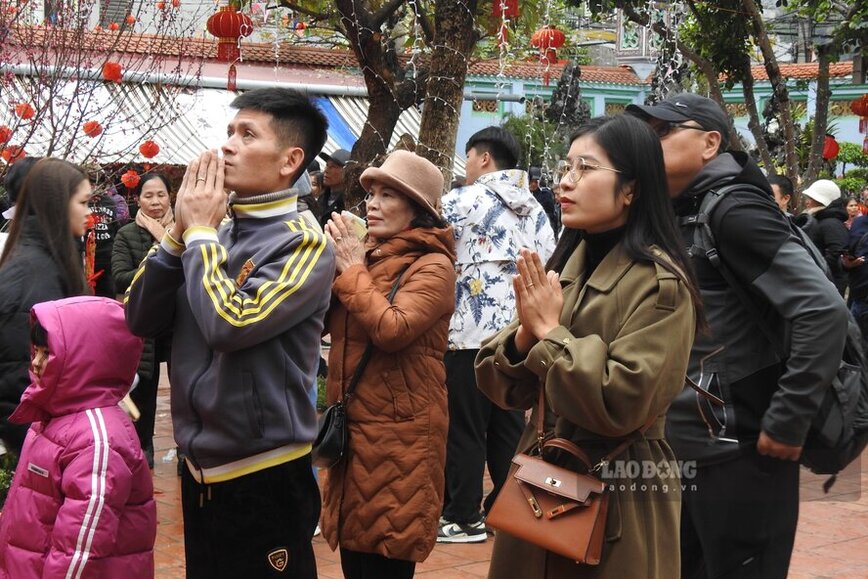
(231, 83)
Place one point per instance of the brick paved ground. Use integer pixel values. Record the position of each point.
(832, 540)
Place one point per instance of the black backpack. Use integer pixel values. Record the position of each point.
(839, 431)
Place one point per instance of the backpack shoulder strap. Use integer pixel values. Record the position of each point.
(704, 245)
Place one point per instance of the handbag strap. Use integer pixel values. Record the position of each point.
(369, 349)
(573, 448)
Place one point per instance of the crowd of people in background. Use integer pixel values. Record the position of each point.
(449, 316)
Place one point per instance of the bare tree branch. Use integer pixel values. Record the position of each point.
(386, 10)
(821, 115)
(423, 21)
(306, 11)
(779, 87)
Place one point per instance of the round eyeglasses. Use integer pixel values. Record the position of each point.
(576, 169)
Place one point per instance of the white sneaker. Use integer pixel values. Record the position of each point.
(450, 532)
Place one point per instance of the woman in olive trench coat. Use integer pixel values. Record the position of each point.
(607, 332)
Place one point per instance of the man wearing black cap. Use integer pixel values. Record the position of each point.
(332, 198)
(741, 473)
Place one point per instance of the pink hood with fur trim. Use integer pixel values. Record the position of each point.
(81, 503)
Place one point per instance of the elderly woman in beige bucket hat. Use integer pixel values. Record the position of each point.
(381, 504)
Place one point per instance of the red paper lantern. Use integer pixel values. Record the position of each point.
(114, 26)
(5, 134)
(149, 149)
(130, 19)
(830, 148)
(112, 71)
(25, 111)
(547, 39)
(92, 129)
(176, 3)
(229, 25)
(505, 8)
(161, 5)
(859, 107)
(12, 153)
(130, 179)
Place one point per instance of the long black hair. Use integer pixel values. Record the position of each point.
(634, 149)
(46, 193)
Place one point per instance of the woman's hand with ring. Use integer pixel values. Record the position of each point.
(539, 299)
(349, 249)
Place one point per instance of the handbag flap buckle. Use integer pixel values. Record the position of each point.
(556, 480)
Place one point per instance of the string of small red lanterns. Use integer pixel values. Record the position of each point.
(24, 111)
(92, 129)
(12, 153)
(130, 179)
(111, 71)
(149, 149)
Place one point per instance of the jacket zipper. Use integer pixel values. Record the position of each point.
(192, 455)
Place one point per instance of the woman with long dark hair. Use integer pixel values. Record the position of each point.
(41, 261)
(606, 330)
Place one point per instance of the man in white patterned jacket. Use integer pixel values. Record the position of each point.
(494, 216)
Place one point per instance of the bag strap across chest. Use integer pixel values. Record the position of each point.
(369, 349)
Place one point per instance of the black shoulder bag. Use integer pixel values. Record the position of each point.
(330, 445)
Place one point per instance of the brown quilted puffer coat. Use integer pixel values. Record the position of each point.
(386, 496)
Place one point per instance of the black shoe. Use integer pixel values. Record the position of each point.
(181, 462)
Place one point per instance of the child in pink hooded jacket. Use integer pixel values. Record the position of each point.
(81, 503)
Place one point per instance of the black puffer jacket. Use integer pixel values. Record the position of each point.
(831, 237)
(29, 277)
(131, 245)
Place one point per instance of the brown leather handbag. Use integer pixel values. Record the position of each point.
(553, 507)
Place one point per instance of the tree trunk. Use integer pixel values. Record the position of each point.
(714, 90)
(821, 116)
(454, 38)
(754, 125)
(380, 71)
(779, 88)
